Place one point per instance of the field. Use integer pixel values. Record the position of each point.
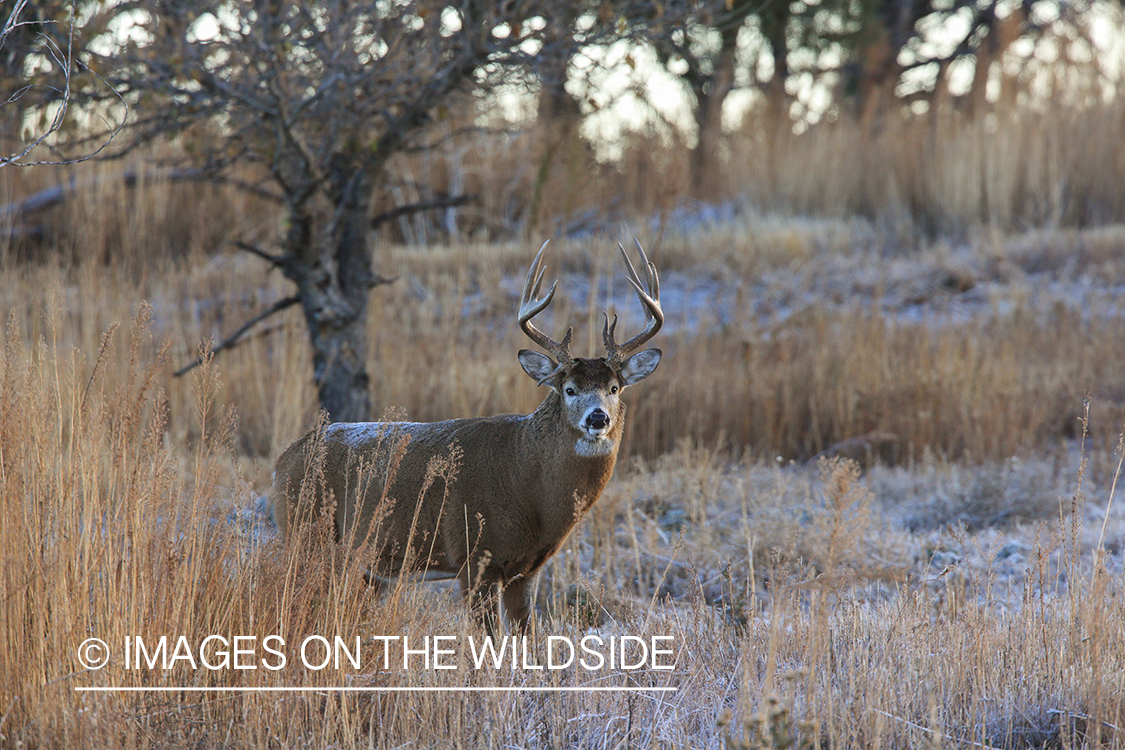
(869, 494)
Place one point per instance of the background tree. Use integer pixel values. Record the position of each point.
(320, 97)
(38, 72)
(707, 56)
(558, 112)
(871, 55)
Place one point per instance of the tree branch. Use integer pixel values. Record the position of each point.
(232, 340)
(48, 197)
(273, 260)
(448, 201)
(66, 62)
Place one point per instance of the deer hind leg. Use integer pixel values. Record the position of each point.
(376, 584)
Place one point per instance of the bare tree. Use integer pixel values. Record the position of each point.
(33, 35)
(321, 96)
(708, 58)
(872, 54)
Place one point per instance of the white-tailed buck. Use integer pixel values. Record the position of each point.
(486, 500)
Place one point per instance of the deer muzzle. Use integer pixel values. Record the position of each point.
(597, 422)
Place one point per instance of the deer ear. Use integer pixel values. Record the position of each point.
(538, 366)
(639, 366)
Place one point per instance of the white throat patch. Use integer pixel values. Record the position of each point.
(593, 448)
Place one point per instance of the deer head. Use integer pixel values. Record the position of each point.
(589, 389)
(522, 482)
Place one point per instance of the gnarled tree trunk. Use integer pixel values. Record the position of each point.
(710, 96)
(331, 266)
(711, 85)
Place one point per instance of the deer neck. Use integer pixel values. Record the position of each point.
(566, 453)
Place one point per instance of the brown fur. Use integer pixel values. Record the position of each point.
(517, 490)
(489, 499)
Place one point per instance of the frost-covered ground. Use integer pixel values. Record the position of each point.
(986, 528)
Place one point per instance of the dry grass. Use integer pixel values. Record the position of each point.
(938, 173)
(1029, 166)
(968, 594)
(896, 610)
(784, 364)
(943, 173)
(822, 329)
(838, 627)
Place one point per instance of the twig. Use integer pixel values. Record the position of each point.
(275, 260)
(1083, 717)
(928, 730)
(43, 199)
(448, 201)
(197, 174)
(97, 363)
(58, 193)
(454, 134)
(1112, 490)
(230, 341)
(65, 62)
(13, 21)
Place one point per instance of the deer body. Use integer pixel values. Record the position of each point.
(486, 500)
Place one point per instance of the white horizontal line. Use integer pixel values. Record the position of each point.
(391, 689)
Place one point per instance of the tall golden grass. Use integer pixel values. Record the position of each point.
(804, 609)
(1011, 377)
(978, 389)
(112, 531)
(1013, 168)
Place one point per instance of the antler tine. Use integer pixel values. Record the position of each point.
(652, 297)
(649, 295)
(530, 307)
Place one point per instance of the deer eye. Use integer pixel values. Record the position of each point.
(613, 389)
(569, 391)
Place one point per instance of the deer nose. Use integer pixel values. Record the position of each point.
(597, 420)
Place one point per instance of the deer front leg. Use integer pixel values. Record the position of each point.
(517, 604)
(481, 595)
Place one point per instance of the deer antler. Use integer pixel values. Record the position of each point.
(649, 295)
(530, 307)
